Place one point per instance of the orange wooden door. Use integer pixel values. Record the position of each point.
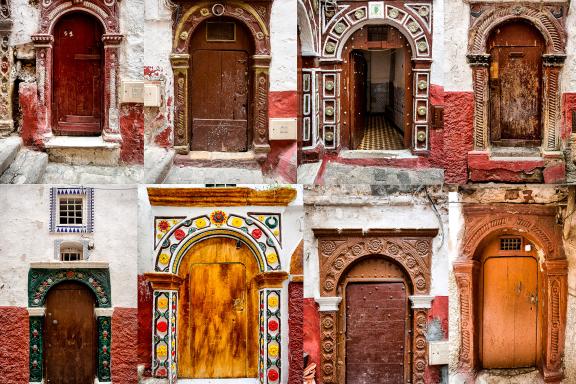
(510, 312)
(70, 335)
(376, 316)
(77, 76)
(218, 321)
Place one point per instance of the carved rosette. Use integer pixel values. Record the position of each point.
(550, 21)
(338, 250)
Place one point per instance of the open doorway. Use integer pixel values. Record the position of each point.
(380, 95)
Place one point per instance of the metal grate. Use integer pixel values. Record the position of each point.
(220, 31)
(70, 210)
(70, 254)
(378, 33)
(510, 244)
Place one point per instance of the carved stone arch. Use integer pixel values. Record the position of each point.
(257, 21)
(548, 25)
(551, 27)
(308, 39)
(192, 230)
(338, 251)
(102, 14)
(538, 224)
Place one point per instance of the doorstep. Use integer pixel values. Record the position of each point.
(81, 150)
(376, 154)
(218, 381)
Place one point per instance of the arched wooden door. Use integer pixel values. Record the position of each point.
(516, 50)
(70, 335)
(220, 55)
(218, 311)
(510, 311)
(77, 75)
(376, 323)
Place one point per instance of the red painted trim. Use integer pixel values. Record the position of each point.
(283, 104)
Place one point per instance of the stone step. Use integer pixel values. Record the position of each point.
(28, 168)
(157, 164)
(9, 148)
(58, 173)
(78, 150)
(202, 175)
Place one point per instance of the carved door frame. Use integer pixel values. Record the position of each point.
(537, 224)
(338, 250)
(256, 20)
(106, 11)
(550, 21)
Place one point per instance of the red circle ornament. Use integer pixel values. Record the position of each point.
(257, 233)
(273, 375)
(179, 234)
(273, 325)
(162, 326)
(161, 372)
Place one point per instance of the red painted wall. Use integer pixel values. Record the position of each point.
(132, 130)
(15, 347)
(311, 331)
(28, 100)
(458, 131)
(124, 344)
(145, 305)
(295, 324)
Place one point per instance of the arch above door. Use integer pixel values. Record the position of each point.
(339, 251)
(538, 225)
(256, 21)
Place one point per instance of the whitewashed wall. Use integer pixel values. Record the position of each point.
(341, 209)
(25, 238)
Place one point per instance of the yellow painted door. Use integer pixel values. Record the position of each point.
(510, 312)
(218, 320)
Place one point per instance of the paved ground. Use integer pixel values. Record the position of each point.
(307, 172)
(57, 173)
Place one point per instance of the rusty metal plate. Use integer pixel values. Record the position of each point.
(375, 333)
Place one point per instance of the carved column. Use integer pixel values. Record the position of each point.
(43, 44)
(466, 272)
(480, 77)
(551, 97)
(260, 67)
(180, 65)
(556, 292)
(6, 74)
(110, 121)
(420, 306)
(328, 307)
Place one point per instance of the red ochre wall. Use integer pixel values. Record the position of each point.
(458, 135)
(145, 305)
(132, 130)
(15, 347)
(295, 325)
(124, 340)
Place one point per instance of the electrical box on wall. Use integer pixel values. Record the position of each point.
(132, 91)
(438, 352)
(152, 94)
(283, 129)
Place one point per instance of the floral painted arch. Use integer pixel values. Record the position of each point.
(184, 235)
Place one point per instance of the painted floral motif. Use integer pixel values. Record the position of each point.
(104, 338)
(163, 225)
(273, 351)
(271, 221)
(218, 218)
(161, 337)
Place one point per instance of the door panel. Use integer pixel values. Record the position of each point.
(70, 335)
(219, 100)
(358, 89)
(376, 316)
(516, 85)
(78, 58)
(510, 312)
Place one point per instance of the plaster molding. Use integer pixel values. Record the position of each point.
(36, 311)
(421, 301)
(328, 303)
(220, 197)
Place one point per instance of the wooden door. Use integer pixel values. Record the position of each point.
(358, 78)
(376, 317)
(70, 335)
(218, 312)
(510, 312)
(516, 85)
(77, 75)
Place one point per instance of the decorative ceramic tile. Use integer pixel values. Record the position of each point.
(87, 195)
(272, 327)
(104, 338)
(36, 348)
(272, 221)
(162, 225)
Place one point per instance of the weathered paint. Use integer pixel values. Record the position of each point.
(458, 117)
(145, 308)
(14, 348)
(283, 104)
(311, 332)
(28, 100)
(132, 130)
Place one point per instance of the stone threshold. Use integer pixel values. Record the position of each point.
(205, 155)
(56, 142)
(218, 381)
(515, 154)
(376, 154)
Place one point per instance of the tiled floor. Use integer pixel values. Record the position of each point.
(380, 135)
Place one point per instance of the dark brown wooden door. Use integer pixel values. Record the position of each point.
(77, 75)
(510, 312)
(70, 335)
(516, 85)
(358, 89)
(376, 316)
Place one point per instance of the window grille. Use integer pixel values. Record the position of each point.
(70, 210)
(71, 254)
(220, 31)
(510, 243)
